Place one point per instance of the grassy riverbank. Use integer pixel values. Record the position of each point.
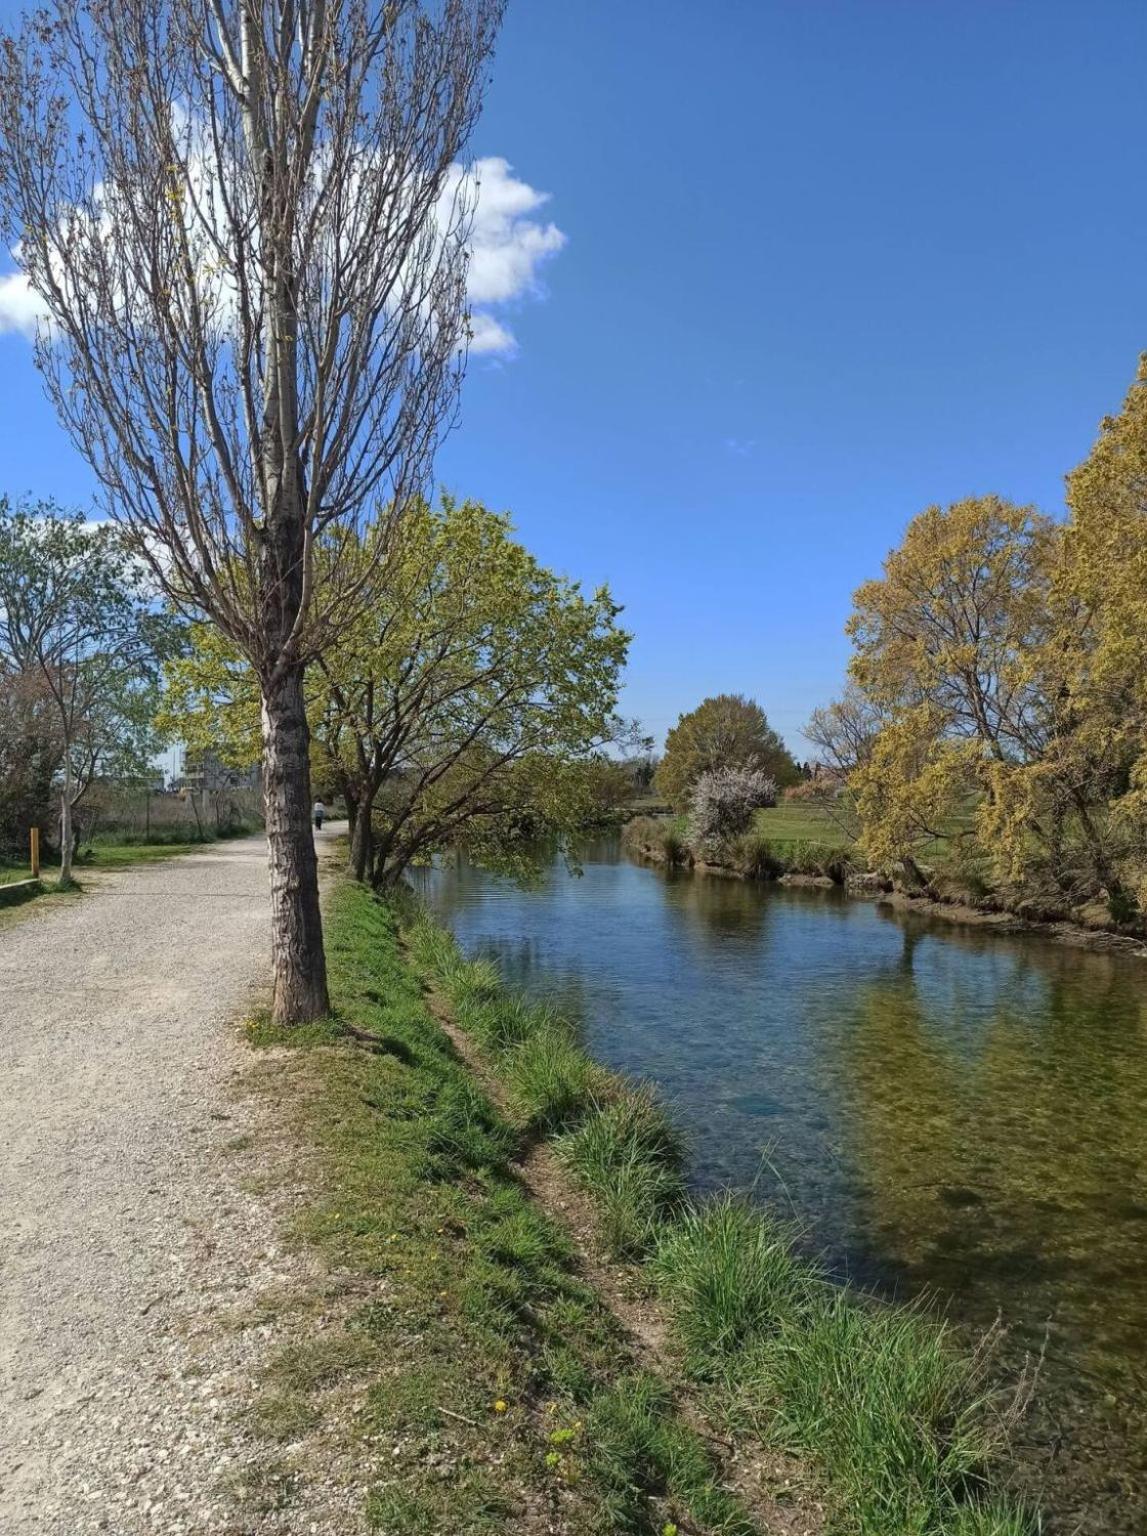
(497, 1392)
(498, 1383)
(899, 1429)
(767, 852)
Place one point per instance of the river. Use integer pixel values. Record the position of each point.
(944, 1109)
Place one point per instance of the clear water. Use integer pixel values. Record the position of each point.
(946, 1111)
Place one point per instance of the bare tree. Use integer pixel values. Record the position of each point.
(845, 730)
(246, 223)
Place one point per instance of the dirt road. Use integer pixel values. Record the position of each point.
(125, 1230)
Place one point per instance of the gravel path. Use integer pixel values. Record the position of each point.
(126, 1232)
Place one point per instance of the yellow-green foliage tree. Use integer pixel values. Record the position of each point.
(943, 641)
(725, 731)
(468, 705)
(1099, 652)
(1005, 655)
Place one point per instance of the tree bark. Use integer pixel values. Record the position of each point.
(362, 843)
(67, 841)
(298, 959)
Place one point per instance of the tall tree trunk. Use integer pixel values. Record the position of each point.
(67, 840)
(299, 962)
(351, 802)
(362, 841)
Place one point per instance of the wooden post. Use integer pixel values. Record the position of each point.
(35, 853)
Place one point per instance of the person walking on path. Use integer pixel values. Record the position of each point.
(318, 811)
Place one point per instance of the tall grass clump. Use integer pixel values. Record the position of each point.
(503, 1022)
(756, 857)
(901, 1423)
(675, 846)
(552, 1082)
(730, 1278)
(806, 857)
(436, 954)
(658, 837)
(627, 1155)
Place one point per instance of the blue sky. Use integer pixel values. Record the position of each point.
(805, 267)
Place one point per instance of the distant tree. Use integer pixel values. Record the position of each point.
(642, 770)
(726, 731)
(723, 802)
(844, 731)
(246, 224)
(74, 617)
(30, 754)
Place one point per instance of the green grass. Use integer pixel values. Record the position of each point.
(11, 873)
(797, 822)
(730, 1277)
(120, 855)
(899, 1419)
(110, 851)
(897, 1423)
(495, 1390)
(627, 1154)
(552, 1082)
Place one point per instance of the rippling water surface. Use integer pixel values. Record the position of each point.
(944, 1108)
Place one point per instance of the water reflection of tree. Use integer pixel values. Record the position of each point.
(1009, 1166)
(711, 910)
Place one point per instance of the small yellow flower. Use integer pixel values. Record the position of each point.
(500, 1406)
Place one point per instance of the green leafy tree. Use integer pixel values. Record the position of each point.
(726, 731)
(944, 642)
(469, 705)
(74, 617)
(29, 756)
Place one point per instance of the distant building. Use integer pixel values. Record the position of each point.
(205, 773)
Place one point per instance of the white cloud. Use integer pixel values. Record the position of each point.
(490, 336)
(20, 308)
(508, 246)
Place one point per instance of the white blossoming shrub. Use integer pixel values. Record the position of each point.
(723, 802)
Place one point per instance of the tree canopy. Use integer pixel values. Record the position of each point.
(463, 707)
(81, 645)
(1001, 661)
(725, 731)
